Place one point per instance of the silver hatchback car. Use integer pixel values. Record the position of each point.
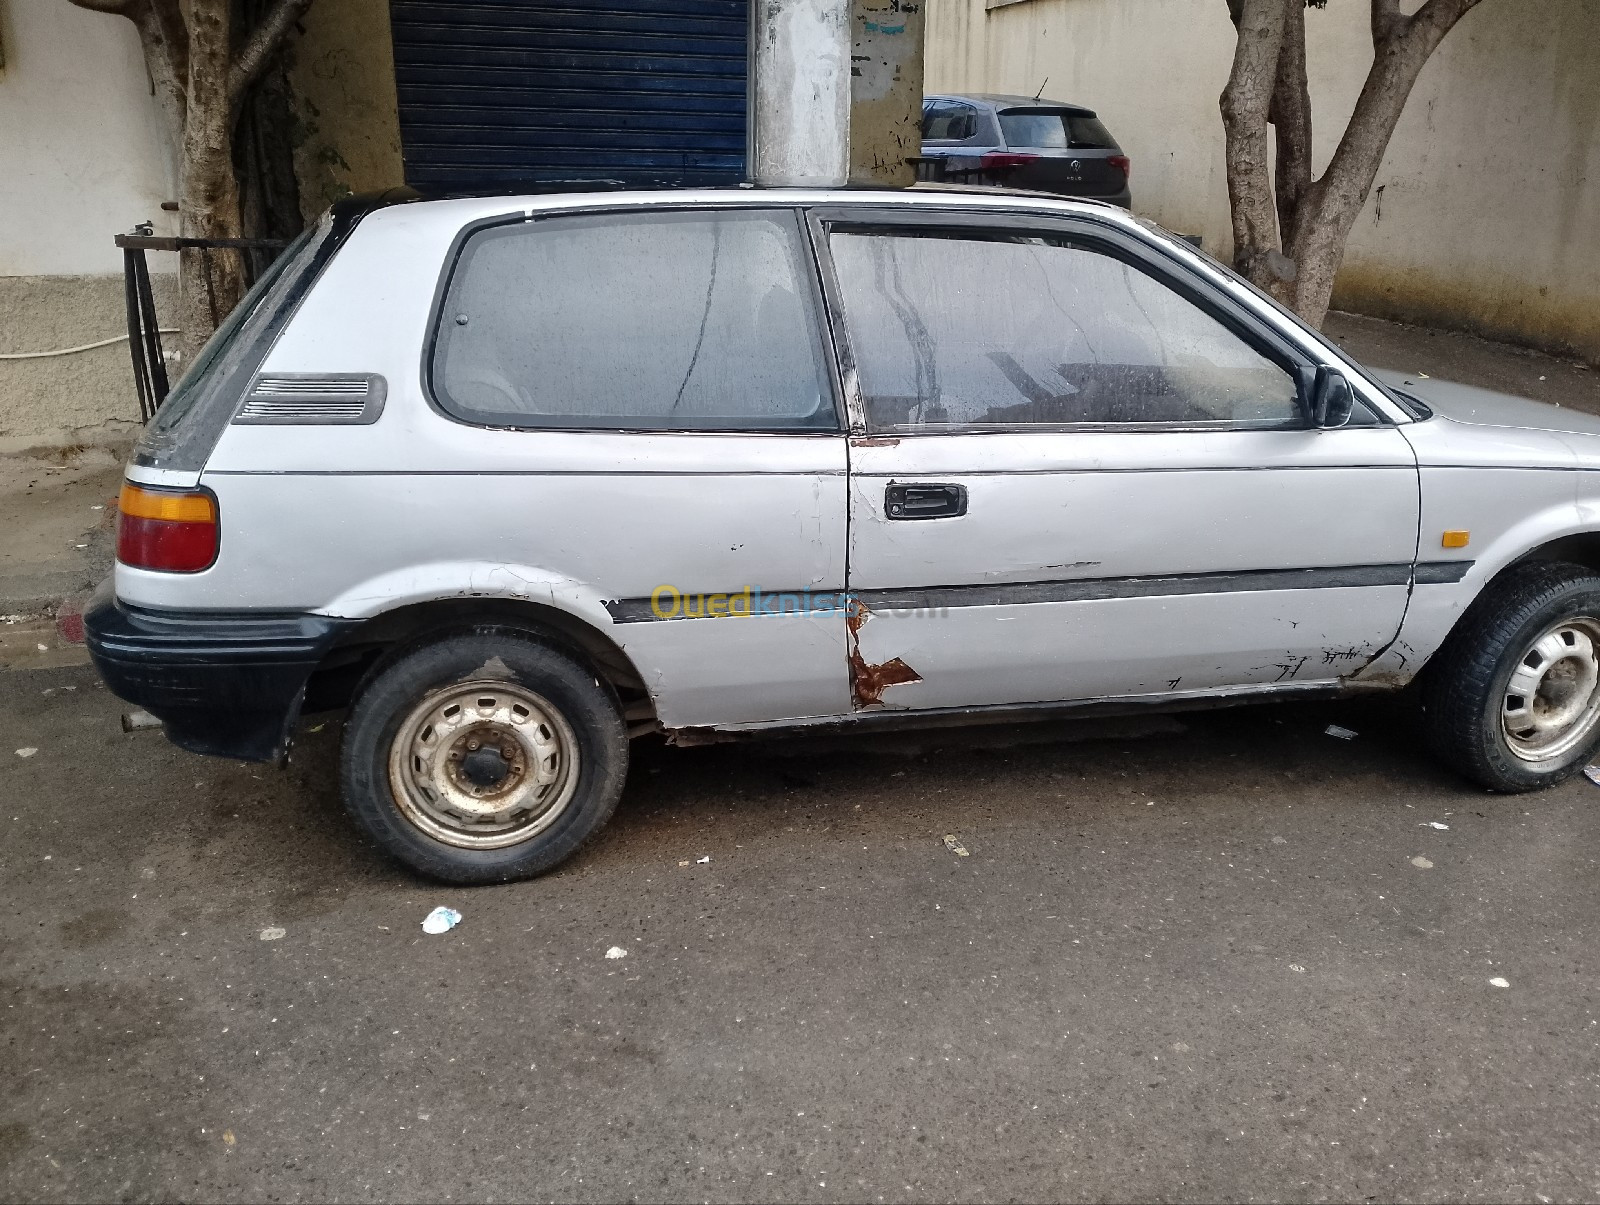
(516, 480)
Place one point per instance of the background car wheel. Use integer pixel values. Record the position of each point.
(1512, 699)
(483, 757)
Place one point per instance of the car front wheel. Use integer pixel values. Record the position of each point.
(1512, 699)
(483, 757)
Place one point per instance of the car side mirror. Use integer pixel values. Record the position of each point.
(1332, 399)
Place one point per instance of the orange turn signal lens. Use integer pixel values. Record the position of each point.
(176, 506)
(1455, 539)
(171, 530)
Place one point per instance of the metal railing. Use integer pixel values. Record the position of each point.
(937, 169)
(144, 331)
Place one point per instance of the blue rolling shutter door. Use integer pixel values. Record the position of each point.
(497, 93)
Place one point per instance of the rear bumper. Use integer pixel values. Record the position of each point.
(228, 684)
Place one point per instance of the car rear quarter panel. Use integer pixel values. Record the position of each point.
(353, 521)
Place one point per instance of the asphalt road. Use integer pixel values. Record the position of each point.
(1182, 960)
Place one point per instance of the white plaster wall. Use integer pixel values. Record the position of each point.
(83, 152)
(1489, 215)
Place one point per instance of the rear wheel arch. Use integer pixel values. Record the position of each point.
(333, 682)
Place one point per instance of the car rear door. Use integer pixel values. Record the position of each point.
(1077, 472)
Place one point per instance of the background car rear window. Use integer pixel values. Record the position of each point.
(951, 332)
(1055, 131)
(641, 321)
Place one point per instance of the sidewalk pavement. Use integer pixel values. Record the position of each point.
(58, 512)
(58, 505)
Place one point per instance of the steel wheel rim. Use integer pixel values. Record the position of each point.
(449, 749)
(1550, 705)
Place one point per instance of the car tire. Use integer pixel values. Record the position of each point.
(483, 756)
(1512, 697)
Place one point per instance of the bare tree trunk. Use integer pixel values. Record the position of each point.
(263, 151)
(1290, 116)
(201, 79)
(1328, 209)
(1245, 104)
(210, 282)
(1289, 230)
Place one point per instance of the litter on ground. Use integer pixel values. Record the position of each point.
(1344, 734)
(1499, 982)
(27, 752)
(704, 860)
(1592, 773)
(616, 952)
(441, 920)
(1421, 863)
(1443, 828)
(955, 846)
(133, 721)
(273, 933)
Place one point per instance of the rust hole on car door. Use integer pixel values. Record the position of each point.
(868, 681)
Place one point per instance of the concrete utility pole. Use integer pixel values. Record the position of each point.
(838, 91)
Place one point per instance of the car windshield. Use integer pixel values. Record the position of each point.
(1055, 130)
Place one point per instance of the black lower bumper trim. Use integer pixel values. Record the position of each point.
(228, 684)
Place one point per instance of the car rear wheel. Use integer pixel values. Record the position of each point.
(483, 757)
(1512, 699)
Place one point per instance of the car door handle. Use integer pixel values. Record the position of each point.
(925, 501)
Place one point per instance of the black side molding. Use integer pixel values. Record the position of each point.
(1438, 573)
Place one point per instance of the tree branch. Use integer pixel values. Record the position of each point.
(1439, 15)
(1387, 20)
(164, 41)
(1245, 103)
(264, 40)
(1401, 48)
(1290, 116)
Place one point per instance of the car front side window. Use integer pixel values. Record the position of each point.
(959, 331)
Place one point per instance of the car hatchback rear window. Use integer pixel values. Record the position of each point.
(635, 321)
(1055, 130)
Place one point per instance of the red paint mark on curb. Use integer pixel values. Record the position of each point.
(69, 621)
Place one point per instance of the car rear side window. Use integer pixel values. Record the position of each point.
(1054, 130)
(944, 121)
(701, 320)
(951, 331)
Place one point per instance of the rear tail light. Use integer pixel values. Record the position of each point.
(1005, 159)
(1122, 163)
(170, 530)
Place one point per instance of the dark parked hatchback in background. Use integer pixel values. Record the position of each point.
(1022, 142)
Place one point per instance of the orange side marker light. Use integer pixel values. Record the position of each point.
(1455, 539)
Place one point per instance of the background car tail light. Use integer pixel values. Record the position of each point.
(1122, 163)
(171, 530)
(999, 159)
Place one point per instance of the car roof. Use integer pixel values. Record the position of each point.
(1006, 100)
(548, 198)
